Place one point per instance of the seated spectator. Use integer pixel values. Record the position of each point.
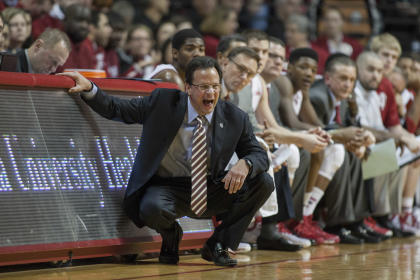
(76, 25)
(235, 5)
(297, 36)
(151, 12)
(223, 21)
(44, 21)
(139, 46)
(166, 52)
(115, 44)
(165, 30)
(182, 22)
(281, 10)
(255, 15)
(18, 28)
(48, 52)
(333, 39)
(200, 10)
(2, 33)
(4, 45)
(126, 10)
(100, 32)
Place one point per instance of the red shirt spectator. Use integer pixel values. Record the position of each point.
(43, 22)
(81, 56)
(211, 43)
(389, 109)
(112, 64)
(321, 43)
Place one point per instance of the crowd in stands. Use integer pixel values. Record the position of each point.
(317, 100)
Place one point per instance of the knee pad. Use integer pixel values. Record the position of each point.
(293, 161)
(333, 159)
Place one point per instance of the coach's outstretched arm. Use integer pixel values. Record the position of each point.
(130, 111)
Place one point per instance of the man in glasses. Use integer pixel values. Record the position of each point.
(186, 44)
(187, 141)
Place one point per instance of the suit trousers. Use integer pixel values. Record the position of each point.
(166, 199)
(346, 198)
(388, 190)
(300, 182)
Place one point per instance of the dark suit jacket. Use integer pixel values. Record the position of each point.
(22, 62)
(161, 115)
(324, 107)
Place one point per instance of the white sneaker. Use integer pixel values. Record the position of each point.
(409, 223)
(242, 248)
(291, 238)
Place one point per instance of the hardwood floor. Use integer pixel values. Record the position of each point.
(395, 259)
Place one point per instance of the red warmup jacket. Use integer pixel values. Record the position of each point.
(321, 42)
(389, 109)
(81, 56)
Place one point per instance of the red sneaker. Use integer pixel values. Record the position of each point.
(328, 237)
(283, 228)
(371, 223)
(306, 230)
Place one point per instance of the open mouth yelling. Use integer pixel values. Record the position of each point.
(208, 103)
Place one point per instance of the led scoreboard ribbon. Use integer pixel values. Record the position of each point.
(64, 168)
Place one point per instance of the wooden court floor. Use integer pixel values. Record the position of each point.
(395, 259)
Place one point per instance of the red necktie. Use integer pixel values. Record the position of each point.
(199, 169)
(337, 114)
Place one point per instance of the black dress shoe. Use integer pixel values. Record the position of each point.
(218, 254)
(346, 237)
(278, 243)
(270, 239)
(361, 233)
(169, 252)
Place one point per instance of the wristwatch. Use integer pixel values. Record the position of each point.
(249, 163)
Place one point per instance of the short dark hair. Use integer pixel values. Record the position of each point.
(181, 36)
(338, 58)
(296, 54)
(94, 17)
(255, 34)
(201, 62)
(225, 42)
(277, 41)
(116, 20)
(246, 51)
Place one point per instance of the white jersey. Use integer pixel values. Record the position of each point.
(159, 68)
(369, 104)
(257, 90)
(297, 102)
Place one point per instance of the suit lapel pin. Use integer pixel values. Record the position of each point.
(221, 125)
